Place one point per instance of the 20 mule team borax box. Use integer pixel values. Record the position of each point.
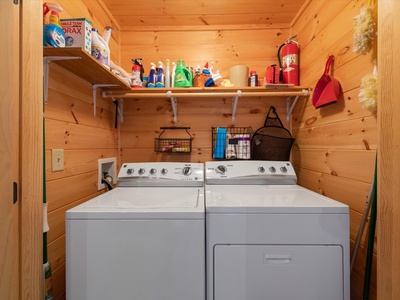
(77, 33)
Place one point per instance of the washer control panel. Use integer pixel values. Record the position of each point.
(250, 172)
(161, 174)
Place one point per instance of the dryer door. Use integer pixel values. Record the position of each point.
(278, 272)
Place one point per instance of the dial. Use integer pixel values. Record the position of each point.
(261, 169)
(221, 169)
(187, 171)
(153, 171)
(129, 171)
(272, 169)
(283, 169)
(141, 171)
(164, 171)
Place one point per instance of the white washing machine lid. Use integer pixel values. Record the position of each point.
(143, 203)
(261, 199)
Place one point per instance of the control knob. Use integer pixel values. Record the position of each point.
(283, 169)
(129, 171)
(153, 171)
(272, 169)
(187, 171)
(141, 171)
(261, 169)
(164, 171)
(221, 169)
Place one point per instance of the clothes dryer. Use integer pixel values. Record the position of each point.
(268, 238)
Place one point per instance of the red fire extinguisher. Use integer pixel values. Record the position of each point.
(289, 64)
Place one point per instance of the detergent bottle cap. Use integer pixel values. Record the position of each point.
(160, 64)
(153, 66)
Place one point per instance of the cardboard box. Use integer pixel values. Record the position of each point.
(78, 33)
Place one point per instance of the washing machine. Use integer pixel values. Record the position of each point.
(269, 238)
(143, 240)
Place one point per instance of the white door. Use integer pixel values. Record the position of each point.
(9, 87)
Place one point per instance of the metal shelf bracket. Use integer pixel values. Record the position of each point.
(289, 108)
(94, 88)
(174, 103)
(235, 101)
(46, 66)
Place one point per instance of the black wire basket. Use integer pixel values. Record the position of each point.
(231, 143)
(173, 145)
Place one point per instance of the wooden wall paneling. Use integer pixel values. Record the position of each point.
(70, 125)
(388, 218)
(225, 48)
(332, 140)
(58, 281)
(354, 134)
(318, 15)
(78, 162)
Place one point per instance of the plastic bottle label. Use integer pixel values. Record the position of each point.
(100, 53)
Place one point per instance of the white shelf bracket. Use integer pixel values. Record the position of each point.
(235, 101)
(46, 67)
(289, 108)
(174, 103)
(94, 88)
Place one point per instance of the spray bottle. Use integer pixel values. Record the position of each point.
(167, 75)
(173, 74)
(160, 76)
(53, 35)
(152, 76)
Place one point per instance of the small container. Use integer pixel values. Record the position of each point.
(253, 78)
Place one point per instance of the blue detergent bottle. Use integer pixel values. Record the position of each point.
(152, 76)
(183, 77)
(53, 35)
(160, 75)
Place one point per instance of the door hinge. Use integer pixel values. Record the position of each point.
(15, 189)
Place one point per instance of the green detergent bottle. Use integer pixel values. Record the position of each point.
(183, 77)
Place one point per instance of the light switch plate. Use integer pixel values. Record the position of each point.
(57, 160)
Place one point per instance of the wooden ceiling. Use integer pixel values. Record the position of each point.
(157, 13)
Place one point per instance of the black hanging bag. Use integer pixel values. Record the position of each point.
(272, 141)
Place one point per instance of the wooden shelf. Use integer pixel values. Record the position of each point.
(235, 92)
(82, 64)
(85, 66)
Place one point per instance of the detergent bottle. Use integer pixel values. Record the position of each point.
(53, 35)
(183, 77)
(100, 49)
(160, 76)
(152, 76)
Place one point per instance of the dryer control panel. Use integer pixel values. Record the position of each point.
(250, 172)
(161, 174)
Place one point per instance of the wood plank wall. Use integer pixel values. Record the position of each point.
(70, 125)
(226, 47)
(336, 145)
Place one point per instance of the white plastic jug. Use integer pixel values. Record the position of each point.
(100, 49)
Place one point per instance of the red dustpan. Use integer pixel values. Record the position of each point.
(327, 89)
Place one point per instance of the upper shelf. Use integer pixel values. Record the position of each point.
(85, 66)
